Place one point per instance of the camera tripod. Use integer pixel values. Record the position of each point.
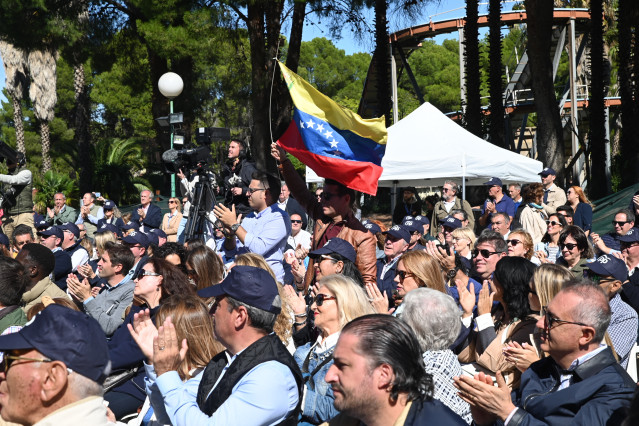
(201, 206)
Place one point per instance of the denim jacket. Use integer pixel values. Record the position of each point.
(317, 406)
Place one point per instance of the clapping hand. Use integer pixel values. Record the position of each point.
(377, 299)
(167, 353)
(143, 332)
(486, 296)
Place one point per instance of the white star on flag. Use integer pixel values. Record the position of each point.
(333, 144)
(320, 127)
(328, 134)
(301, 124)
(309, 124)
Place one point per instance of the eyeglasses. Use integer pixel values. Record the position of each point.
(295, 221)
(552, 223)
(254, 190)
(620, 222)
(7, 361)
(320, 298)
(550, 321)
(446, 189)
(144, 273)
(569, 246)
(513, 242)
(327, 195)
(402, 275)
(484, 253)
(598, 279)
(628, 245)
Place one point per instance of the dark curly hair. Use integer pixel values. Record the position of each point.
(513, 274)
(174, 281)
(385, 339)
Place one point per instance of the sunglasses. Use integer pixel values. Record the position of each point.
(9, 359)
(552, 223)
(254, 190)
(446, 189)
(550, 321)
(598, 279)
(295, 221)
(620, 222)
(144, 273)
(402, 275)
(320, 298)
(172, 202)
(327, 196)
(513, 242)
(484, 253)
(569, 246)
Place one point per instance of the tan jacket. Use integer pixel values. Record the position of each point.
(440, 213)
(44, 287)
(556, 198)
(493, 358)
(353, 231)
(171, 227)
(534, 222)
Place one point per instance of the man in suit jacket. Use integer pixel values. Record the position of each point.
(290, 205)
(147, 215)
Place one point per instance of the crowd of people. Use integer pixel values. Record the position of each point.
(290, 309)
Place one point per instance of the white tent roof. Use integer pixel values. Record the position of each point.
(426, 147)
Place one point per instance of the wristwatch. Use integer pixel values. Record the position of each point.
(451, 274)
(234, 227)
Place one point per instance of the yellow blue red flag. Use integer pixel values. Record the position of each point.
(335, 142)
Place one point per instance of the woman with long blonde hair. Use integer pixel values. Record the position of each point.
(582, 207)
(171, 220)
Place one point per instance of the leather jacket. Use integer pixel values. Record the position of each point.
(353, 231)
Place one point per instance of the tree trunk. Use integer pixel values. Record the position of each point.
(629, 144)
(473, 98)
(46, 145)
(598, 137)
(19, 125)
(382, 52)
(85, 162)
(495, 82)
(549, 133)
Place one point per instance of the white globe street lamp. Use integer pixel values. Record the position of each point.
(171, 85)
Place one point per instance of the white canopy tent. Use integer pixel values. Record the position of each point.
(426, 148)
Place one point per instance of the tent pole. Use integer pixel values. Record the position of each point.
(393, 197)
(464, 177)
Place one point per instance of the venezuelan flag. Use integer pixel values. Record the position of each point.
(335, 142)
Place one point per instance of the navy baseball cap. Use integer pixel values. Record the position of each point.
(109, 205)
(41, 225)
(451, 222)
(156, 231)
(71, 227)
(136, 237)
(131, 225)
(609, 266)
(52, 230)
(111, 228)
(409, 217)
(399, 231)
(248, 284)
(413, 226)
(152, 238)
(63, 334)
(547, 171)
(493, 181)
(423, 219)
(372, 227)
(336, 245)
(4, 240)
(631, 237)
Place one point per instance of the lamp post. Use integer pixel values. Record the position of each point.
(171, 85)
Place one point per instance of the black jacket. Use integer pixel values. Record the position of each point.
(153, 218)
(238, 177)
(599, 394)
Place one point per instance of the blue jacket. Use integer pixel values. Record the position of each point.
(153, 218)
(126, 354)
(318, 404)
(387, 284)
(62, 268)
(600, 394)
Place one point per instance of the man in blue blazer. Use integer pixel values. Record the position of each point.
(147, 215)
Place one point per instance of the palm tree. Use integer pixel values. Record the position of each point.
(382, 51)
(119, 164)
(549, 132)
(15, 61)
(42, 68)
(472, 116)
(495, 75)
(598, 187)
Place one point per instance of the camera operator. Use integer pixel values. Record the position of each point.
(236, 177)
(18, 200)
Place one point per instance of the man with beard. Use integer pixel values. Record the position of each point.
(378, 377)
(450, 201)
(236, 178)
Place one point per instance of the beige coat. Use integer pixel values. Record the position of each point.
(44, 287)
(170, 227)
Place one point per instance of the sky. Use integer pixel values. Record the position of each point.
(435, 10)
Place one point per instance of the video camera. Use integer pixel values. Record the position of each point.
(186, 159)
(10, 155)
